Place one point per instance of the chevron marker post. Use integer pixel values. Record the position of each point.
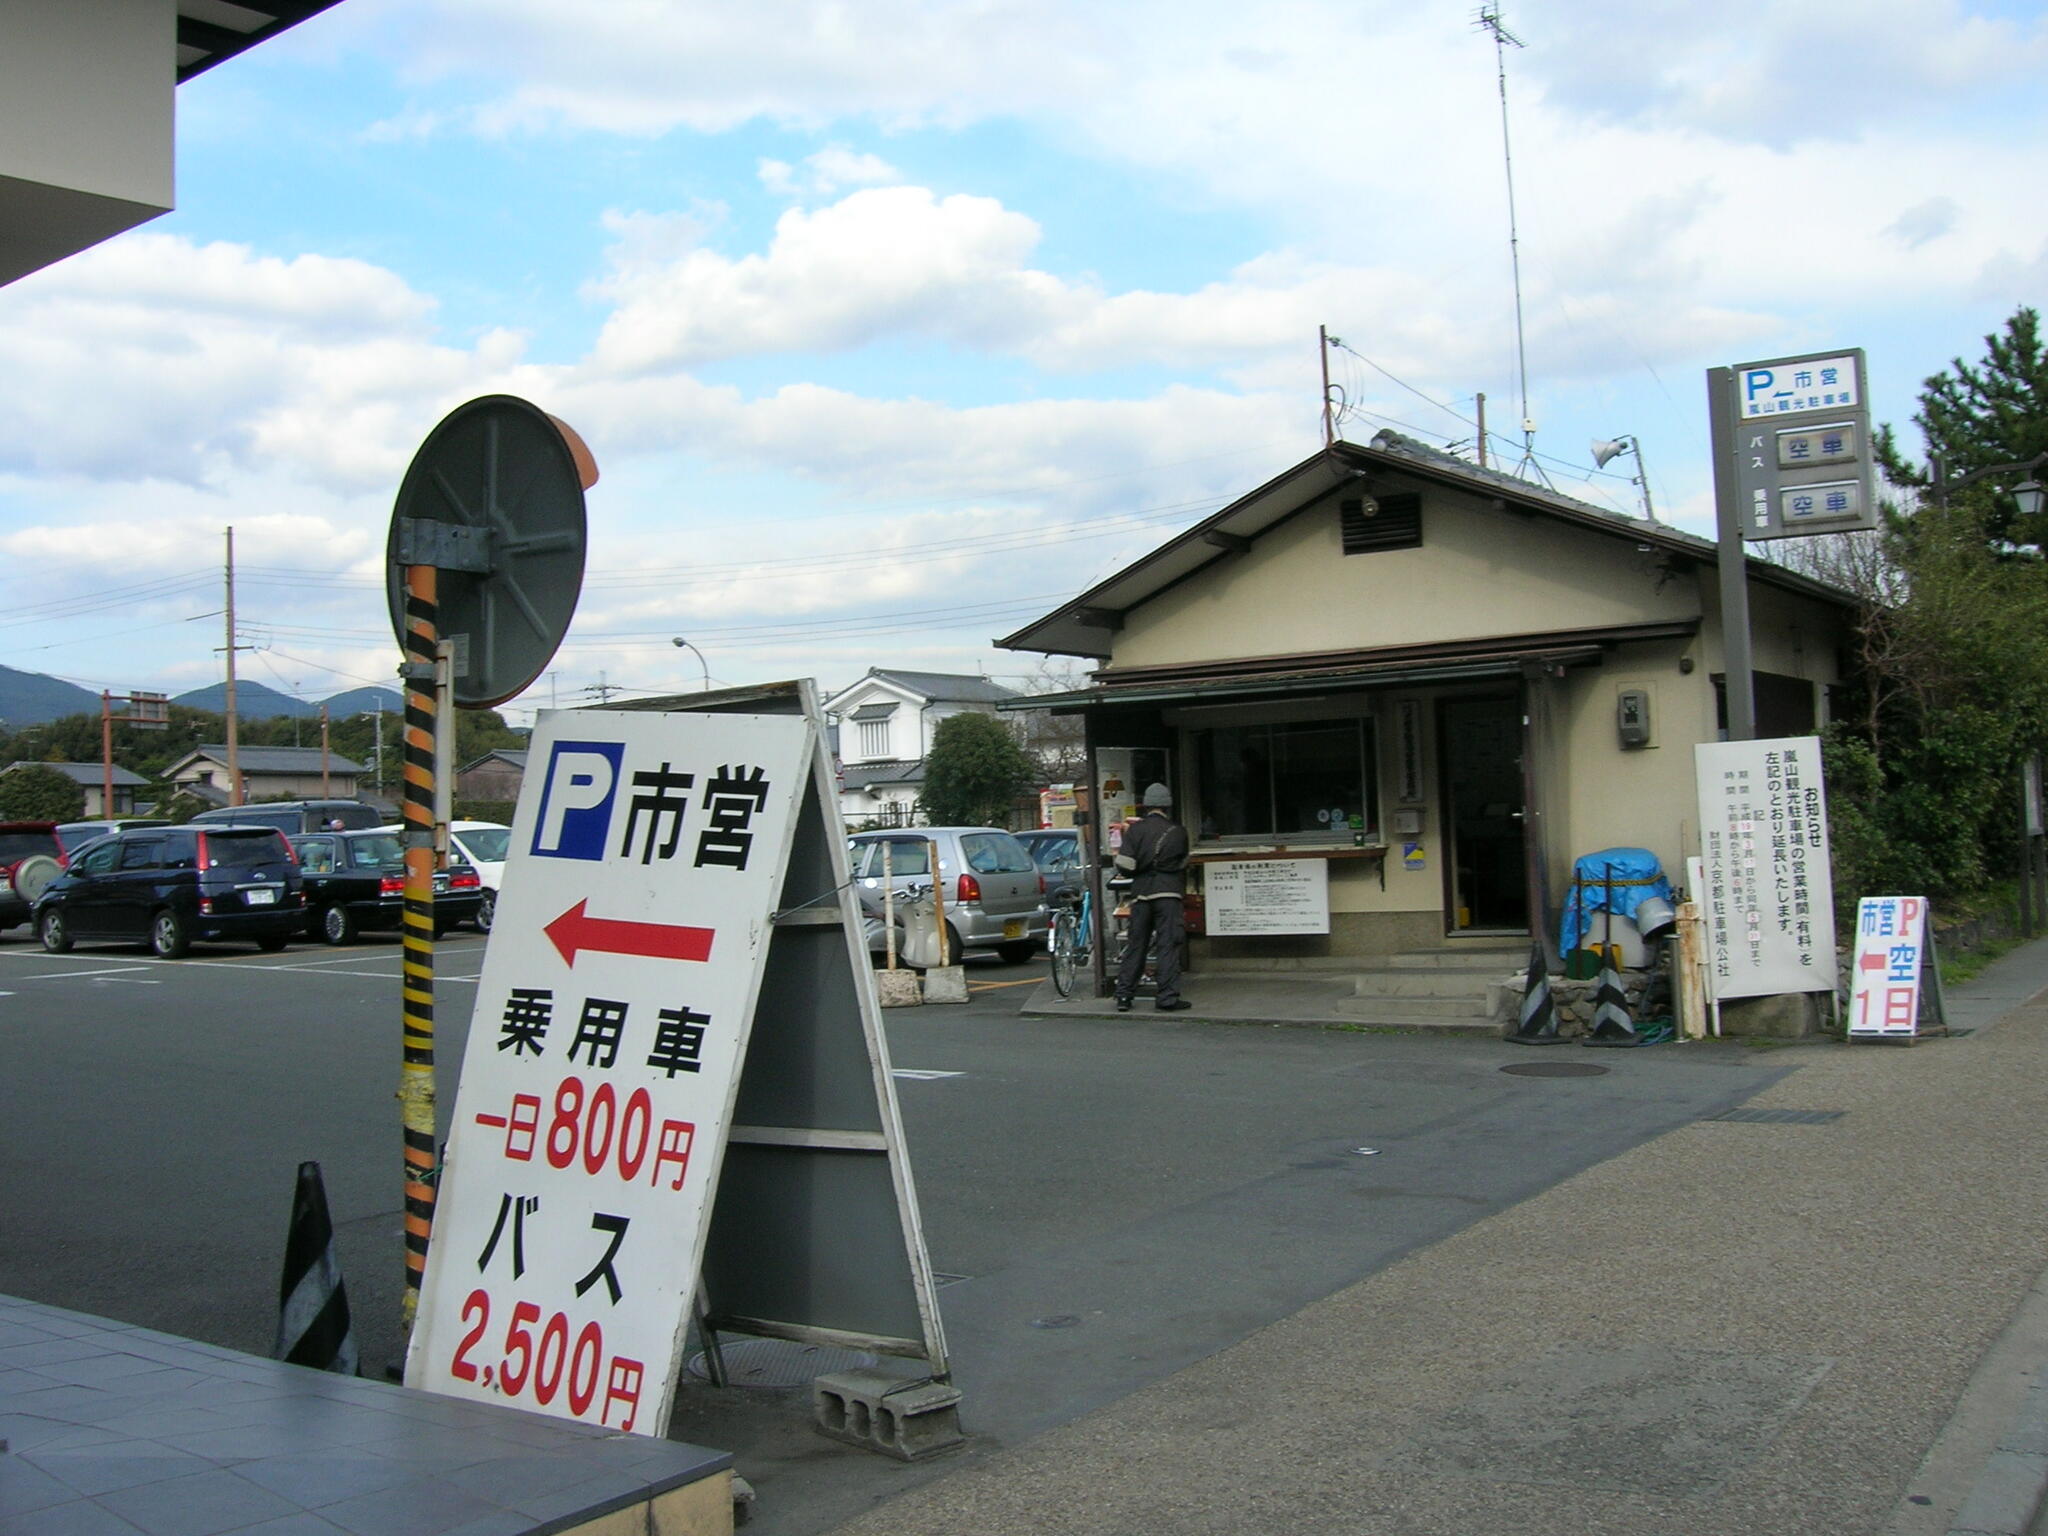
(1537, 1023)
(313, 1326)
(1611, 1022)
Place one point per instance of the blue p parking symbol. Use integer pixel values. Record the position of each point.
(576, 801)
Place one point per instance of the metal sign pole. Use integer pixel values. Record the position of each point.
(416, 1078)
(1738, 671)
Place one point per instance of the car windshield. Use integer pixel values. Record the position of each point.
(376, 851)
(486, 845)
(22, 845)
(243, 850)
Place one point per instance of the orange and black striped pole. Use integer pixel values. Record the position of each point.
(416, 1079)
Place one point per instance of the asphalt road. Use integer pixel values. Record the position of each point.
(1109, 1201)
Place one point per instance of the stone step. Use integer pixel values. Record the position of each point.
(1493, 958)
(1393, 1015)
(1395, 1009)
(1425, 983)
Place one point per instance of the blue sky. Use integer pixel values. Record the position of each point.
(892, 325)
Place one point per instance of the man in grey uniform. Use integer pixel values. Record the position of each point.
(1155, 856)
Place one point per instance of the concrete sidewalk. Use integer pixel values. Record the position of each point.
(1825, 1321)
(1312, 998)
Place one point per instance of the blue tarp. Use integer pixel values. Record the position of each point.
(1637, 876)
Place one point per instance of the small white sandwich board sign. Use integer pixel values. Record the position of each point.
(676, 979)
(1885, 978)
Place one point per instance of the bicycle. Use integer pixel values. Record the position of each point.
(1073, 937)
(1072, 941)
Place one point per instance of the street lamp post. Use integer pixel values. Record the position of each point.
(681, 644)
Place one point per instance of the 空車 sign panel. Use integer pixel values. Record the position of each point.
(611, 1020)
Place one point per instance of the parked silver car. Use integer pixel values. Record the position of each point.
(994, 895)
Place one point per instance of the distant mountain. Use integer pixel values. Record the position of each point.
(31, 698)
(34, 698)
(365, 701)
(253, 701)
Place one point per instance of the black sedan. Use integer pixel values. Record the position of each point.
(356, 880)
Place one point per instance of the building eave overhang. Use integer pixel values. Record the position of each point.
(1088, 624)
(1252, 678)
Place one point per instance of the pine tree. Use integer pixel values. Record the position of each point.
(1975, 417)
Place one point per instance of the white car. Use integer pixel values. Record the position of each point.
(483, 844)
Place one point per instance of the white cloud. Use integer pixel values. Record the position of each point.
(830, 170)
(151, 357)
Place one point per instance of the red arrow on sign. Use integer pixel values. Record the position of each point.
(574, 932)
(1872, 962)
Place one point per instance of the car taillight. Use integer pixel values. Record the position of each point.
(464, 882)
(63, 859)
(970, 889)
(206, 904)
(392, 885)
(204, 861)
(1041, 885)
(291, 854)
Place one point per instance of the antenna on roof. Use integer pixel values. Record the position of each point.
(1488, 20)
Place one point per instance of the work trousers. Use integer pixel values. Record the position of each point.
(1154, 921)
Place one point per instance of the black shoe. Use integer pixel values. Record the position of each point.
(1123, 1005)
(1176, 1006)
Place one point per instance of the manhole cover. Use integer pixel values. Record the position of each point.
(779, 1362)
(1555, 1069)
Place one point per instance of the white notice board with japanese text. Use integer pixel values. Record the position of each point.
(1768, 894)
(597, 1085)
(1245, 897)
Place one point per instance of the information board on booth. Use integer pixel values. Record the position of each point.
(1245, 897)
(1768, 894)
(611, 1018)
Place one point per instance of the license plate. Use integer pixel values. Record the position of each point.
(1014, 930)
(260, 898)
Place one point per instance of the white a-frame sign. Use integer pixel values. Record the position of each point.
(675, 1068)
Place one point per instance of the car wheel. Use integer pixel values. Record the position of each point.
(271, 943)
(487, 911)
(1019, 952)
(54, 931)
(336, 926)
(168, 935)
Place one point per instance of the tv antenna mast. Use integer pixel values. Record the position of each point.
(1489, 21)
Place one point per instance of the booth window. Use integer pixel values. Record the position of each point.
(1304, 778)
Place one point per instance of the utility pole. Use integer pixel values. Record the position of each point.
(325, 790)
(1329, 419)
(1482, 429)
(234, 762)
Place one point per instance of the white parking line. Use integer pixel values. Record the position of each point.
(124, 973)
(922, 1074)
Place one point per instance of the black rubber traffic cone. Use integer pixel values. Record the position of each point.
(1537, 1024)
(313, 1326)
(1611, 1022)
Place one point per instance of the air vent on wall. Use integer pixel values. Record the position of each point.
(1371, 523)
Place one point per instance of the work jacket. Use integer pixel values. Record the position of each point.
(1155, 855)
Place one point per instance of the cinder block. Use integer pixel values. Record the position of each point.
(898, 989)
(905, 1419)
(945, 984)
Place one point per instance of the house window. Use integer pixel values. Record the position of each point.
(874, 738)
(1309, 778)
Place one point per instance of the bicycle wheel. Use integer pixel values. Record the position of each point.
(1063, 956)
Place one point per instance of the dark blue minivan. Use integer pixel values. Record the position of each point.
(168, 886)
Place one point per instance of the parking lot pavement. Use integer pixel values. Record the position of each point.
(1108, 1200)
